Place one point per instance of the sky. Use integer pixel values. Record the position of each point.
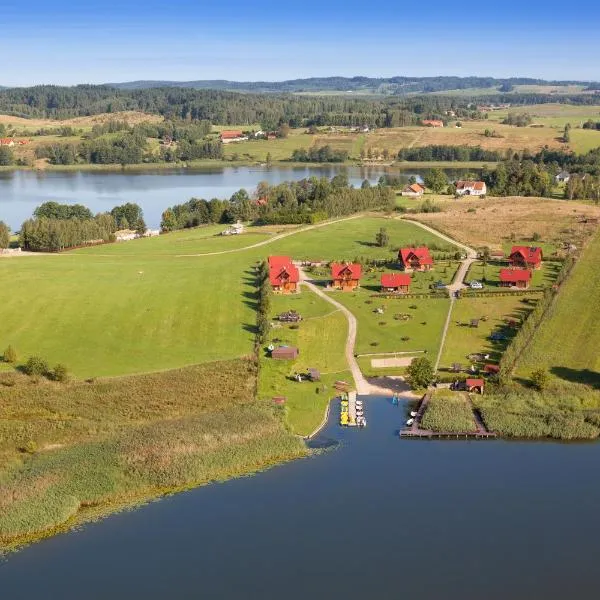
(98, 41)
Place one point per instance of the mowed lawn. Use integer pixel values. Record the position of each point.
(490, 275)
(494, 315)
(114, 315)
(567, 341)
(321, 339)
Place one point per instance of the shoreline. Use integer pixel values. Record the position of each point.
(221, 164)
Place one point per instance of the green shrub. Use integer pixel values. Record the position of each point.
(36, 367)
(10, 355)
(60, 373)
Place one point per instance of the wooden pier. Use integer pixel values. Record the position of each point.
(415, 431)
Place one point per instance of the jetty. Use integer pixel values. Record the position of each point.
(415, 431)
(351, 415)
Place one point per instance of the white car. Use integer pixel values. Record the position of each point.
(476, 285)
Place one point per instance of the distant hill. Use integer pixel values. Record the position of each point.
(362, 85)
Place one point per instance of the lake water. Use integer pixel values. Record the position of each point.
(378, 517)
(22, 191)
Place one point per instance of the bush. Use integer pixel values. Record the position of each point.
(420, 372)
(60, 373)
(10, 355)
(36, 367)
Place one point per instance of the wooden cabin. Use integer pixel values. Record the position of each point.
(398, 283)
(285, 353)
(415, 259)
(474, 386)
(283, 274)
(525, 257)
(345, 276)
(519, 278)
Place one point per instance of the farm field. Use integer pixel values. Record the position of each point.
(132, 117)
(494, 222)
(280, 148)
(320, 338)
(573, 357)
(493, 314)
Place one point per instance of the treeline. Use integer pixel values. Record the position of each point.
(306, 201)
(450, 154)
(324, 154)
(519, 178)
(55, 227)
(589, 124)
(518, 120)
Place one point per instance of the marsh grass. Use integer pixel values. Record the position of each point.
(448, 411)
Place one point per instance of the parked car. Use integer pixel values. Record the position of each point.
(476, 285)
(439, 285)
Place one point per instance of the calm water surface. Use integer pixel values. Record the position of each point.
(375, 518)
(22, 191)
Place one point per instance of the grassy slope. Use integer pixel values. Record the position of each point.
(567, 341)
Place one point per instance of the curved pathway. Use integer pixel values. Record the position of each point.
(362, 385)
(457, 283)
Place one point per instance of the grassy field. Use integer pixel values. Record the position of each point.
(490, 275)
(567, 341)
(422, 328)
(321, 338)
(493, 314)
(280, 148)
(73, 452)
(495, 222)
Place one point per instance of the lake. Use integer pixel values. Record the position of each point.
(154, 191)
(377, 517)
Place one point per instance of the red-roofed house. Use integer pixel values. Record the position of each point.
(233, 135)
(7, 142)
(279, 261)
(414, 190)
(415, 259)
(395, 282)
(474, 385)
(525, 257)
(471, 188)
(432, 123)
(284, 278)
(491, 369)
(520, 278)
(345, 276)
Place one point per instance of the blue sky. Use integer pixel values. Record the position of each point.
(96, 41)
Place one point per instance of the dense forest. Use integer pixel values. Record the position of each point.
(268, 110)
(306, 201)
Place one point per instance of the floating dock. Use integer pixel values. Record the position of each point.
(348, 411)
(416, 432)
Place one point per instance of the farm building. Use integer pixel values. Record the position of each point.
(414, 190)
(432, 123)
(285, 353)
(283, 275)
(525, 257)
(345, 276)
(562, 177)
(7, 142)
(491, 369)
(415, 259)
(474, 385)
(395, 282)
(471, 188)
(233, 135)
(520, 278)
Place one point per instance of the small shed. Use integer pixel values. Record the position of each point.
(474, 322)
(285, 353)
(279, 400)
(314, 374)
(456, 367)
(474, 386)
(491, 369)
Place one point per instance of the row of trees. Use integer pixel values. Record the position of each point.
(450, 153)
(323, 154)
(264, 303)
(305, 201)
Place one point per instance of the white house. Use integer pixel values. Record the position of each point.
(234, 229)
(471, 188)
(562, 177)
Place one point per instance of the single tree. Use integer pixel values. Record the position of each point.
(420, 372)
(60, 373)
(269, 159)
(436, 180)
(10, 355)
(36, 366)
(382, 239)
(4, 235)
(540, 378)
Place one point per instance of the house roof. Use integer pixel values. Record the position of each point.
(491, 369)
(474, 383)
(432, 122)
(338, 269)
(514, 275)
(531, 254)
(414, 187)
(279, 261)
(280, 274)
(472, 185)
(231, 134)
(421, 253)
(392, 280)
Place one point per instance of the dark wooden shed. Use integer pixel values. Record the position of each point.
(314, 374)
